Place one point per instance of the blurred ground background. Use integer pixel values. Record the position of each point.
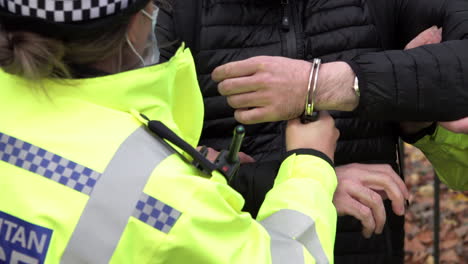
(419, 177)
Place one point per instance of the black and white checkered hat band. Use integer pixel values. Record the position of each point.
(65, 11)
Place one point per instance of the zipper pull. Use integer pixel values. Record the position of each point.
(285, 19)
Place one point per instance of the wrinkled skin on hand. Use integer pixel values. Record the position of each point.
(264, 89)
(361, 191)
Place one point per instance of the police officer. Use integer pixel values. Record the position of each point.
(83, 179)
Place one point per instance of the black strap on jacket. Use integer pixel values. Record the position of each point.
(164, 132)
(227, 162)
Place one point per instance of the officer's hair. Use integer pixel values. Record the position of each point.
(35, 57)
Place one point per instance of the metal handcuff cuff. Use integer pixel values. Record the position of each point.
(309, 114)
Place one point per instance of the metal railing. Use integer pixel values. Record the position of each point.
(436, 250)
(436, 219)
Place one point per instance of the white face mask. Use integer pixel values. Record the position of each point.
(151, 53)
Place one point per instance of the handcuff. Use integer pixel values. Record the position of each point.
(309, 114)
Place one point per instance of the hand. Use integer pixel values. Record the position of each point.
(320, 135)
(267, 89)
(431, 35)
(213, 154)
(361, 191)
(459, 126)
(264, 89)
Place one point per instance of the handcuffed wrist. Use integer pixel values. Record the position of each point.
(309, 115)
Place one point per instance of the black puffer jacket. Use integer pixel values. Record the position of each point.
(395, 85)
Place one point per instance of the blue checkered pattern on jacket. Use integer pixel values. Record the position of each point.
(40, 161)
(156, 213)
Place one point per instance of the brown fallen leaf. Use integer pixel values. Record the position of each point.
(425, 236)
(462, 230)
(447, 244)
(414, 245)
(419, 257)
(449, 256)
(451, 235)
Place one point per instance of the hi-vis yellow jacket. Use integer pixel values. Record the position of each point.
(83, 181)
(448, 153)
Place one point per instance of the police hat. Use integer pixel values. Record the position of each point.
(66, 19)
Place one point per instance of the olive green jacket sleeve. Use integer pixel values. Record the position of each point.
(448, 153)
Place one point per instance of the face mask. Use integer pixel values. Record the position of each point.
(151, 52)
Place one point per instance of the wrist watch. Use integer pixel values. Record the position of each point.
(356, 87)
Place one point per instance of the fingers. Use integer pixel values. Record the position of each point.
(361, 186)
(349, 206)
(244, 158)
(429, 36)
(239, 85)
(373, 201)
(257, 99)
(213, 154)
(380, 180)
(437, 37)
(388, 170)
(236, 69)
(252, 116)
(326, 117)
(363, 203)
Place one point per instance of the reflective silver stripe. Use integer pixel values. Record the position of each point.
(284, 249)
(298, 227)
(114, 198)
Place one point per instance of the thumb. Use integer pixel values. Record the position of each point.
(244, 158)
